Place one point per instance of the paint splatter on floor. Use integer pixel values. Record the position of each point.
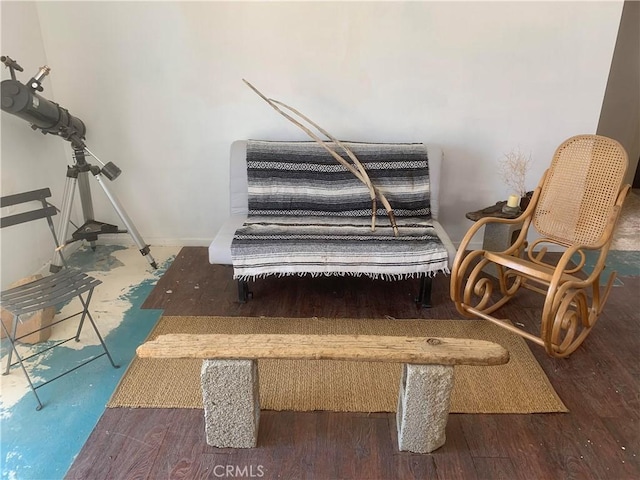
(624, 263)
(627, 233)
(42, 444)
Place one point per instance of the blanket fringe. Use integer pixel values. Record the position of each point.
(374, 276)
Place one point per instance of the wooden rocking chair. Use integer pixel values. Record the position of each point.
(575, 207)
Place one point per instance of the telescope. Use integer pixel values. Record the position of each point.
(24, 101)
(47, 116)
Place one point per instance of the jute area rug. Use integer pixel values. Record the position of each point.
(520, 386)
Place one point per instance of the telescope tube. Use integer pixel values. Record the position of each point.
(48, 116)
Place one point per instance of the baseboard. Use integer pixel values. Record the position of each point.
(126, 240)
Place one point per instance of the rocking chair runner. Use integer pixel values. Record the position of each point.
(575, 207)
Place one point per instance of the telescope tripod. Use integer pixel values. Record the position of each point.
(77, 176)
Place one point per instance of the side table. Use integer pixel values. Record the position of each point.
(497, 236)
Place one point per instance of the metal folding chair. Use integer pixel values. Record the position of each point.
(52, 290)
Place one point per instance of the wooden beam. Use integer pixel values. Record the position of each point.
(365, 348)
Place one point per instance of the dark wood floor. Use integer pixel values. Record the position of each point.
(600, 384)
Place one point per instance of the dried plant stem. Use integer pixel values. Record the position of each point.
(356, 169)
(513, 170)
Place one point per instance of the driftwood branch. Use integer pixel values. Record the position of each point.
(356, 168)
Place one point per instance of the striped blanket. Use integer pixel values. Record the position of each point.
(309, 215)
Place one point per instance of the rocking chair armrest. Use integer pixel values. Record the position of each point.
(607, 235)
(563, 263)
(464, 244)
(602, 245)
(524, 218)
(473, 230)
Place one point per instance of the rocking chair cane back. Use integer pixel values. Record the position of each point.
(52, 290)
(574, 208)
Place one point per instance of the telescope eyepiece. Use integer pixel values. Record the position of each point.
(43, 72)
(36, 82)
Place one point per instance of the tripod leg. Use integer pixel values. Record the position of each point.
(143, 247)
(85, 199)
(65, 217)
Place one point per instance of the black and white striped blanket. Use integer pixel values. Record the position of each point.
(309, 215)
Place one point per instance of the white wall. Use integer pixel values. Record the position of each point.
(29, 159)
(159, 86)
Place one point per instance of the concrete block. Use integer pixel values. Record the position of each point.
(231, 402)
(423, 407)
(497, 238)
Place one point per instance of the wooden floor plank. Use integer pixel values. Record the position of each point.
(484, 435)
(88, 461)
(625, 434)
(494, 468)
(453, 459)
(598, 438)
(184, 442)
(129, 447)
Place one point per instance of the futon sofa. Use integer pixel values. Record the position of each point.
(294, 210)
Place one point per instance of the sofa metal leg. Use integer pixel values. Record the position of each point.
(424, 296)
(243, 291)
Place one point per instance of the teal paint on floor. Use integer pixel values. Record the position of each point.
(624, 263)
(103, 259)
(43, 444)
